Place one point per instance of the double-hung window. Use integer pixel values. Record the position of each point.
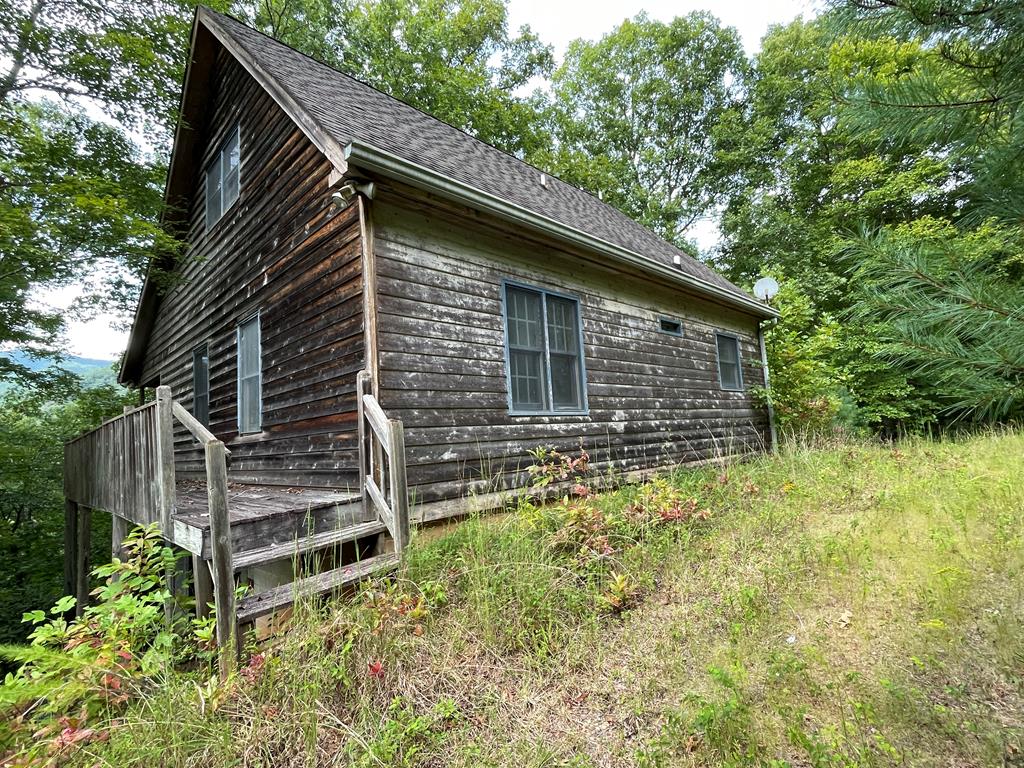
(544, 351)
(201, 384)
(250, 395)
(222, 178)
(730, 375)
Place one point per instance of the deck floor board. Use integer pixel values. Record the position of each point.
(252, 503)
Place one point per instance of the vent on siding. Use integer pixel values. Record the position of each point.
(671, 326)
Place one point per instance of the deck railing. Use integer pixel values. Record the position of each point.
(382, 463)
(126, 467)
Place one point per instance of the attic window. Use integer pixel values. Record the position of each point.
(222, 180)
(671, 326)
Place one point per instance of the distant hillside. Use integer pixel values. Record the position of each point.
(91, 371)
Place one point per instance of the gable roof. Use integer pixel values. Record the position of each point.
(355, 124)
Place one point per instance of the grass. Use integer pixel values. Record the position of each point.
(837, 605)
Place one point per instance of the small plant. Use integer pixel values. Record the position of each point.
(620, 592)
(551, 466)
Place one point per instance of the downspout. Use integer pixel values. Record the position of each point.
(773, 436)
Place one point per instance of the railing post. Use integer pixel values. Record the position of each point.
(223, 568)
(398, 483)
(362, 387)
(165, 458)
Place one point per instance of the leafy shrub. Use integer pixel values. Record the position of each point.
(76, 675)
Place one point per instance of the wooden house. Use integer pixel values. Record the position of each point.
(360, 275)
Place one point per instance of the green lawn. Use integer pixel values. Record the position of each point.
(834, 605)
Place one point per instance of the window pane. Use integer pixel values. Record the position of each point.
(523, 310)
(230, 160)
(527, 382)
(213, 192)
(562, 335)
(565, 382)
(201, 385)
(249, 407)
(727, 351)
(249, 372)
(729, 362)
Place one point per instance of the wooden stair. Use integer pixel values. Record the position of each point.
(254, 606)
(312, 543)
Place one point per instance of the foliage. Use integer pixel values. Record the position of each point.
(33, 430)
(635, 113)
(945, 291)
(805, 380)
(455, 59)
(76, 675)
(78, 198)
(954, 321)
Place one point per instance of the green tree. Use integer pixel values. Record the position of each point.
(803, 183)
(635, 115)
(78, 197)
(948, 292)
(32, 434)
(456, 59)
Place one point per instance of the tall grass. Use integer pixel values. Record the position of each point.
(841, 604)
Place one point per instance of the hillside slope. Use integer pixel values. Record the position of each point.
(842, 605)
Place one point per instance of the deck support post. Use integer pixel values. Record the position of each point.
(118, 533)
(70, 547)
(202, 583)
(398, 483)
(223, 568)
(82, 548)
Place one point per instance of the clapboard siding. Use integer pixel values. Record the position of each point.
(283, 250)
(654, 399)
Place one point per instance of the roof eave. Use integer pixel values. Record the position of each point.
(374, 159)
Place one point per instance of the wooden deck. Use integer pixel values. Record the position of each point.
(127, 467)
(261, 515)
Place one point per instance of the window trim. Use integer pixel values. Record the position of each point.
(739, 361)
(236, 133)
(662, 319)
(257, 316)
(195, 349)
(584, 410)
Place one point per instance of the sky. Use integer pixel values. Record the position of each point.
(557, 22)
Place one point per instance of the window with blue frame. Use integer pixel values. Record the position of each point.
(544, 351)
(730, 374)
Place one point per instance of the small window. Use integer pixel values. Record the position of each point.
(730, 375)
(670, 326)
(222, 180)
(545, 355)
(250, 406)
(201, 384)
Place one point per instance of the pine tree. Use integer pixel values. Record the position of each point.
(951, 303)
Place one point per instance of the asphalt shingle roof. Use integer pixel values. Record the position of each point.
(349, 110)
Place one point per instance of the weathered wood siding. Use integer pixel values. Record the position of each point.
(283, 250)
(654, 399)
